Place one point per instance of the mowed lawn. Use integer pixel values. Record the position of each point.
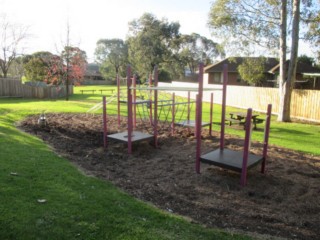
(44, 196)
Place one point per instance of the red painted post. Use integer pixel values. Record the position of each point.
(150, 85)
(118, 98)
(211, 114)
(266, 138)
(173, 111)
(246, 148)
(188, 115)
(134, 101)
(129, 110)
(224, 102)
(155, 127)
(104, 121)
(199, 118)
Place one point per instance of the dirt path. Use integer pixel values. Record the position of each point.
(285, 202)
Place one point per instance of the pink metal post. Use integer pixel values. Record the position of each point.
(211, 113)
(266, 139)
(134, 101)
(224, 102)
(118, 98)
(104, 121)
(150, 105)
(155, 127)
(173, 110)
(188, 115)
(129, 110)
(246, 148)
(199, 118)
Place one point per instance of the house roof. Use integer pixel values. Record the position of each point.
(301, 68)
(234, 62)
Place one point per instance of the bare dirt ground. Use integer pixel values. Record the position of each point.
(283, 203)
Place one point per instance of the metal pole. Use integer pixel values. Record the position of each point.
(150, 85)
(155, 127)
(173, 109)
(246, 148)
(134, 101)
(188, 116)
(199, 118)
(223, 111)
(118, 98)
(211, 113)
(104, 121)
(266, 138)
(129, 110)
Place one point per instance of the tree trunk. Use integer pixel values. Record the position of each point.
(288, 82)
(283, 49)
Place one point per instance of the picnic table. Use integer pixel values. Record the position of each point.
(240, 118)
(87, 90)
(106, 90)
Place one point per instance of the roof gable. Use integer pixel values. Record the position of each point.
(234, 62)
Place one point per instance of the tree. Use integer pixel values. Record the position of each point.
(36, 66)
(252, 70)
(112, 54)
(313, 34)
(151, 42)
(74, 64)
(195, 48)
(12, 36)
(306, 59)
(246, 24)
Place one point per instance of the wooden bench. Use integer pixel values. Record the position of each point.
(106, 90)
(88, 90)
(257, 121)
(232, 120)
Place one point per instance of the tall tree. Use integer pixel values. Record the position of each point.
(75, 64)
(313, 33)
(151, 42)
(195, 48)
(112, 54)
(247, 23)
(11, 38)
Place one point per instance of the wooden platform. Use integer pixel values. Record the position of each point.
(191, 123)
(229, 159)
(135, 137)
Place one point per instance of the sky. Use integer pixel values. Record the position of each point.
(89, 21)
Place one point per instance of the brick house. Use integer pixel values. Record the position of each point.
(308, 77)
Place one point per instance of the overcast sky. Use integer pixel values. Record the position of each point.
(92, 20)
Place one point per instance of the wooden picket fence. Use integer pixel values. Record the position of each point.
(305, 104)
(15, 88)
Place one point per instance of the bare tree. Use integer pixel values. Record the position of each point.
(11, 38)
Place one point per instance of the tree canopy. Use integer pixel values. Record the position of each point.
(112, 54)
(151, 42)
(246, 25)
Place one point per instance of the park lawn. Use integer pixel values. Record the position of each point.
(44, 196)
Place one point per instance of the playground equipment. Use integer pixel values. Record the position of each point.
(230, 159)
(131, 136)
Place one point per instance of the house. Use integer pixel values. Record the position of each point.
(307, 76)
(92, 72)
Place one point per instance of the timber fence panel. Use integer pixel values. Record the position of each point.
(15, 88)
(305, 104)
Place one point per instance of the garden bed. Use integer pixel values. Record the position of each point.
(284, 202)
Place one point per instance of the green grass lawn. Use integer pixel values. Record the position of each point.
(82, 207)
(76, 206)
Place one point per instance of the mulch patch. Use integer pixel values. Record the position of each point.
(284, 202)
